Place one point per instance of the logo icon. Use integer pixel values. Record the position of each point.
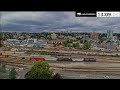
(79, 13)
(85, 14)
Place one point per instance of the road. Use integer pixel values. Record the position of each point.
(21, 71)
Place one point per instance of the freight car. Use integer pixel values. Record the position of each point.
(64, 59)
(37, 58)
(89, 59)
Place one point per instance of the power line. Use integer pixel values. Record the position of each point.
(0, 22)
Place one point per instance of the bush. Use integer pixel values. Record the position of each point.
(2, 68)
(57, 76)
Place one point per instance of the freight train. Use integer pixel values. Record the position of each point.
(77, 60)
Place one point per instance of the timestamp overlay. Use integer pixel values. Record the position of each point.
(107, 14)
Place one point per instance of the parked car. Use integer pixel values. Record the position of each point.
(64, 59)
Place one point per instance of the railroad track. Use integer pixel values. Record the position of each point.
(83, 62)
(20, 62)
(64, 62)
(90, 68)
(85, 70)
(20, 66)
(112, 70)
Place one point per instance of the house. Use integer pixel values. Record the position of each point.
(48, 47)
(59, 47)
(13, 41)
(40, 44)
(14, 49)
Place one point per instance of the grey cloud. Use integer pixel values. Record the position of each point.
(56, 21)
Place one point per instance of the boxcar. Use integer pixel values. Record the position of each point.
(89, 59)
(64, 59)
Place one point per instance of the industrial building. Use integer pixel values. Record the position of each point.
(111, 44)
(53, 36)
(94, 39)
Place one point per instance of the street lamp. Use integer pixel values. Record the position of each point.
(0, 21)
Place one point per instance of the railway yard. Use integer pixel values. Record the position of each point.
(103, 68)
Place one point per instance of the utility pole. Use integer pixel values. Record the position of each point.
(1, 33)
(0, 30)
(0, 21)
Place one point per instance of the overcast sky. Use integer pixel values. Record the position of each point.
(56, 22)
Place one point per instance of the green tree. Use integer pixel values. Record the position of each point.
(2, 68)
(118, 42)
(54, 44)
(65, 44)
(87, 45)
(40, 70)
(69, 44)
(1, 38)
(74, 45)
(77, 44)
(12, 73)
